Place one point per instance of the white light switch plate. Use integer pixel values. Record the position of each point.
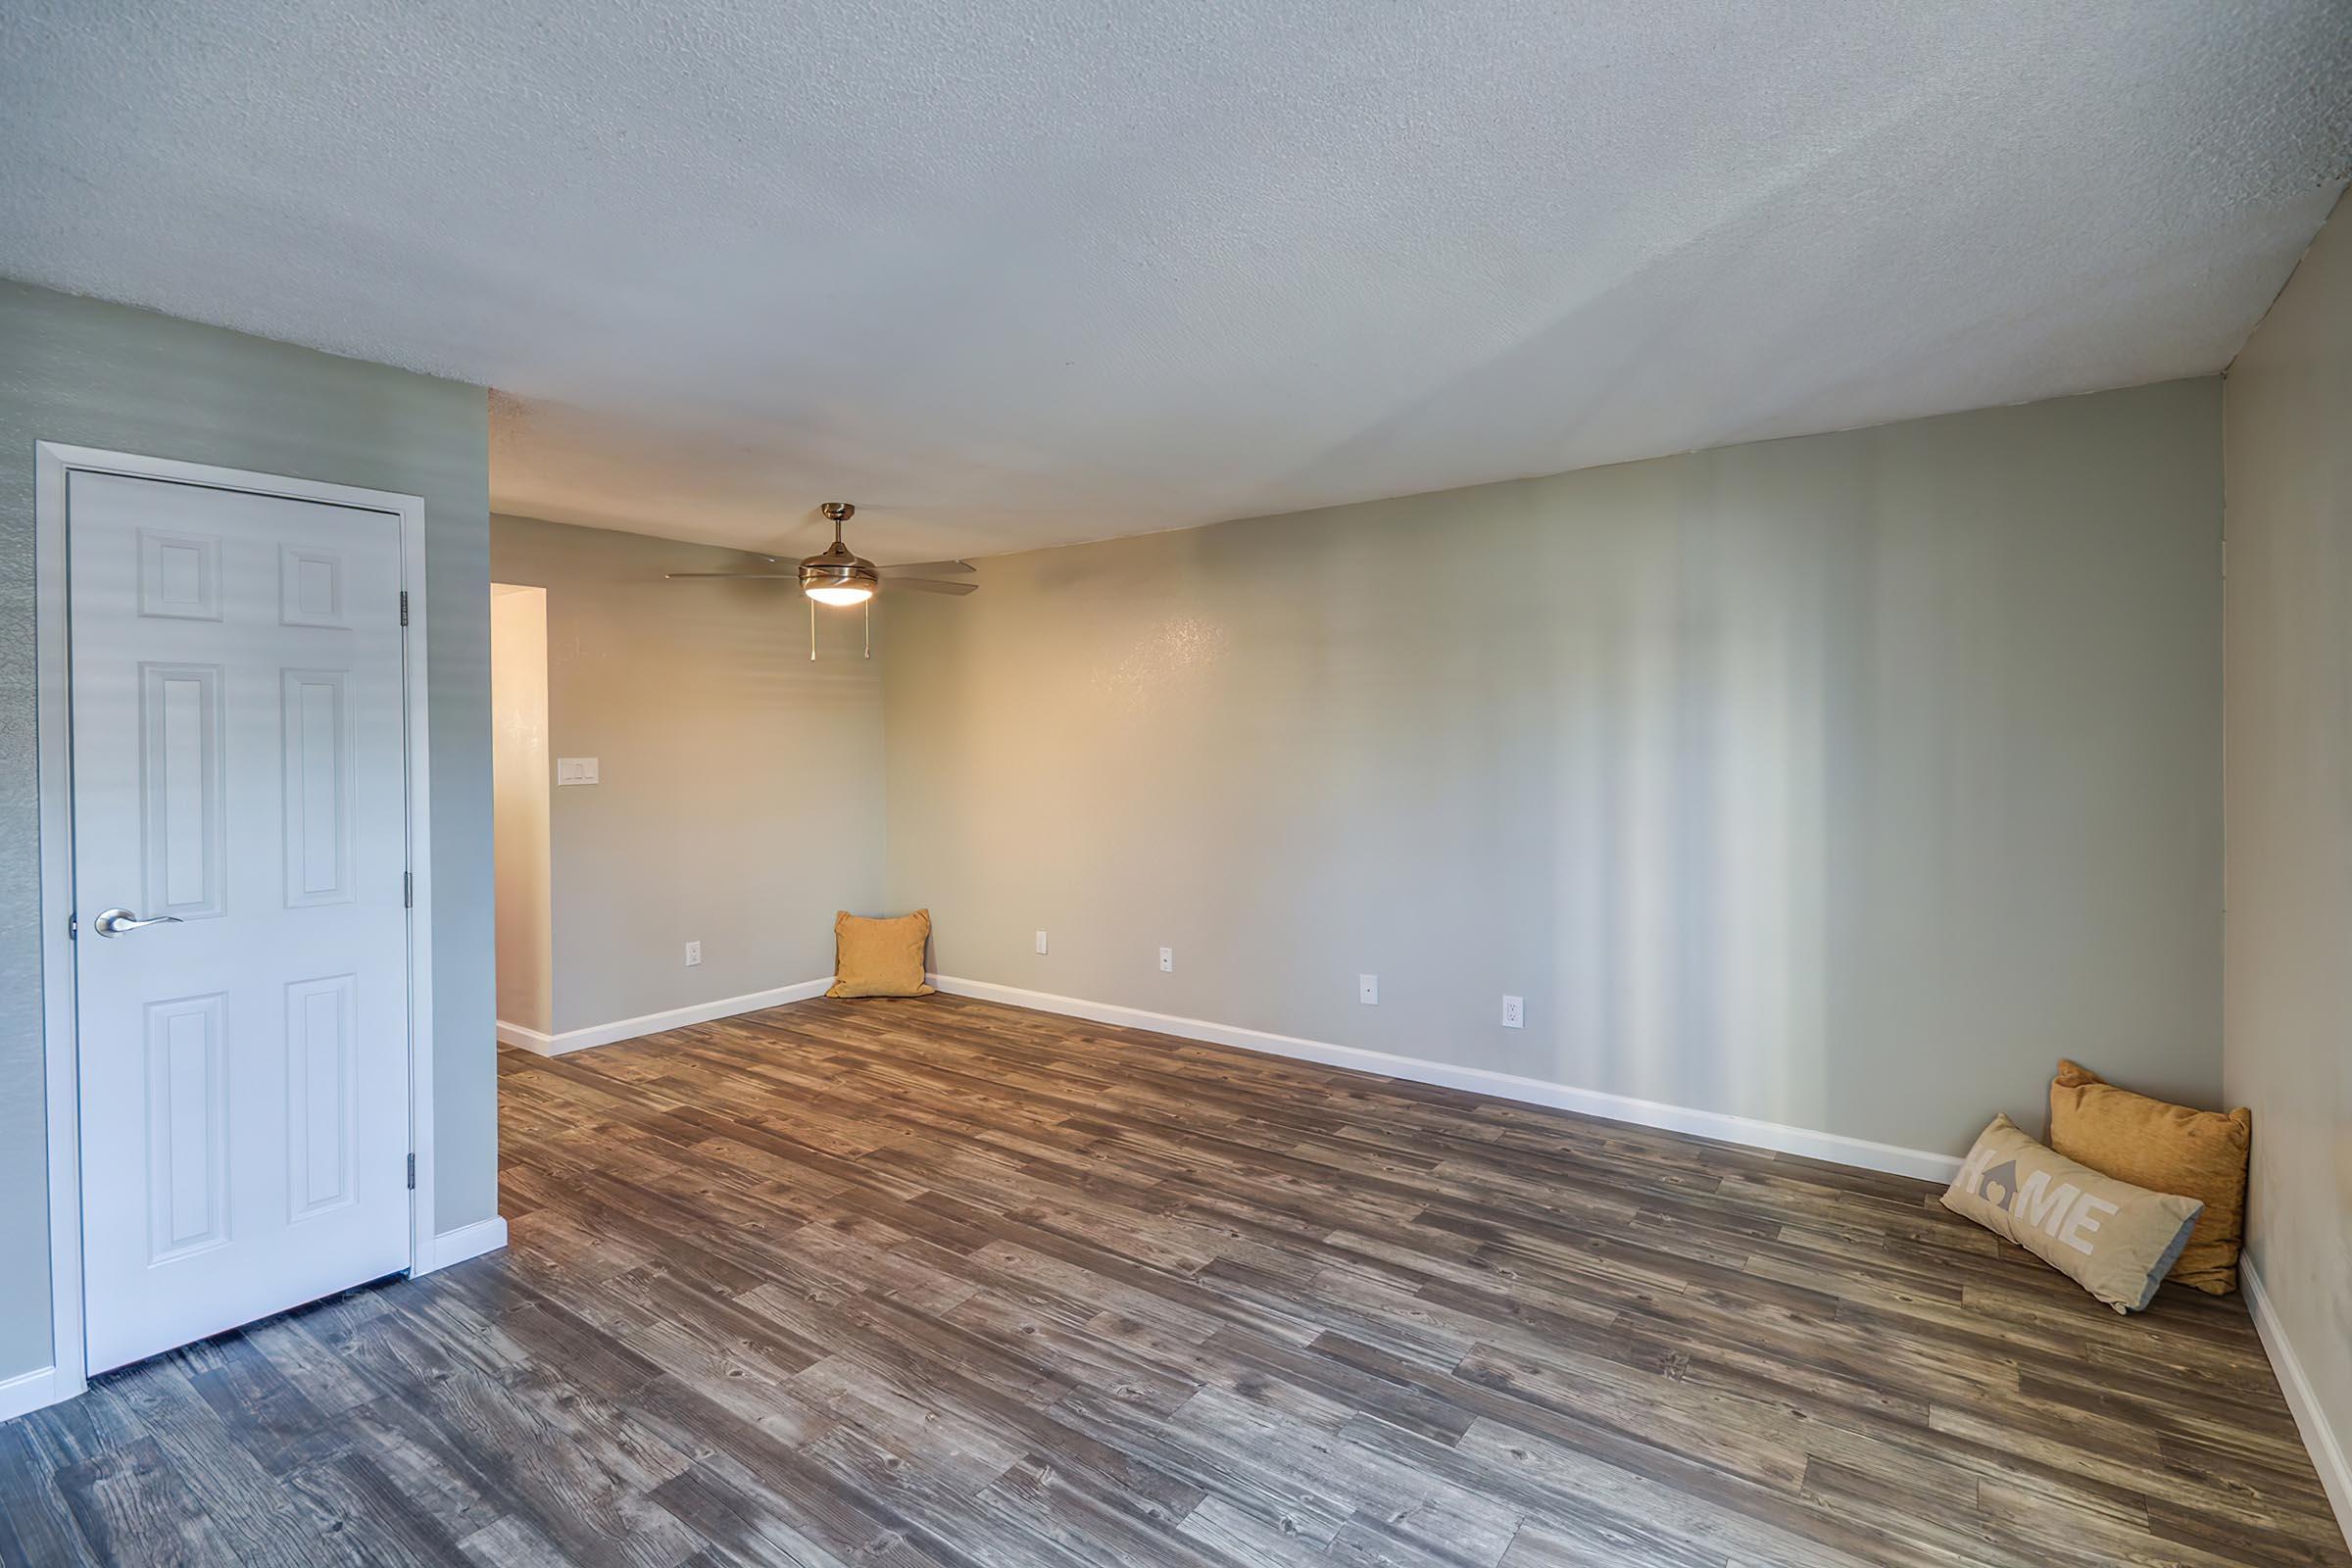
(1167, 961)
(576, 769)
(1041, 942)
(1367, 990)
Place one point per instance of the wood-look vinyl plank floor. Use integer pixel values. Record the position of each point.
(941, 1284)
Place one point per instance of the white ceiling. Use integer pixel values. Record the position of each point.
(1037, 270)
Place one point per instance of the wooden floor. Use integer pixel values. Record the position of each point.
(946, 1283)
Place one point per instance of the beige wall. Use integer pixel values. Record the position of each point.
(520, 774)
(739, 803)
(2287, 441)
(1844, 782)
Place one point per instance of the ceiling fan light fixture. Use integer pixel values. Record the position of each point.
(838, 577)
(837, 574)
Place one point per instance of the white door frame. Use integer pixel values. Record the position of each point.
(52, 652)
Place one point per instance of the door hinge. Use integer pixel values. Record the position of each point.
(72, 928)
(404, 606)
(408, 890)
(411, 1174)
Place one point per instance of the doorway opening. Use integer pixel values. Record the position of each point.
(520, 774)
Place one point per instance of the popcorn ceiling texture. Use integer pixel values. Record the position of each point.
(1020, 273)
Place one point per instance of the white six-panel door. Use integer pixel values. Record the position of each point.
(238, 778)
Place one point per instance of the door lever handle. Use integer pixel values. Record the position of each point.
(113, 922)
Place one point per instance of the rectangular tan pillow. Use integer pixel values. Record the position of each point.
(880, 958)
(2113, 1239)
(2172, 1149)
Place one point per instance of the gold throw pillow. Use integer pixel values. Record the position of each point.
(880, 958)
(2172, 1148)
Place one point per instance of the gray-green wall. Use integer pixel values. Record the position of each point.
(1844, 782)
(88, 374)
(2287, 1014)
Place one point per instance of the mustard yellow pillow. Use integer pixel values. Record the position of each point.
(880, 958)
(2112, 1238)
(2148, 1143)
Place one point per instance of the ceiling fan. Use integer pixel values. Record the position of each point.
(838, 575)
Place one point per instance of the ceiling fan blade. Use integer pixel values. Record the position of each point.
(931, 585)
(919, 568)
(743, 576)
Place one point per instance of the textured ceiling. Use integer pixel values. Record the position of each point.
(1037, 270)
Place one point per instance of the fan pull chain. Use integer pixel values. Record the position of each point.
(813, 631)
(869, 627)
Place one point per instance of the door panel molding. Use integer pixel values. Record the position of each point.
(187, 1126)
(319, 1110)
(182, 791)
(182, 587)
(317, 721)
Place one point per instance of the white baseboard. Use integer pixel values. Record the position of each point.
(27, 1391)
(1833, 1147)
(467, 1241)
(2327, 1452)
(515, 1034)
(653, 1023)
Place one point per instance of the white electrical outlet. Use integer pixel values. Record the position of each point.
(1041, 942)
(1514, 1012)
(1167, 961)
(1367, 990)
(694, 954)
